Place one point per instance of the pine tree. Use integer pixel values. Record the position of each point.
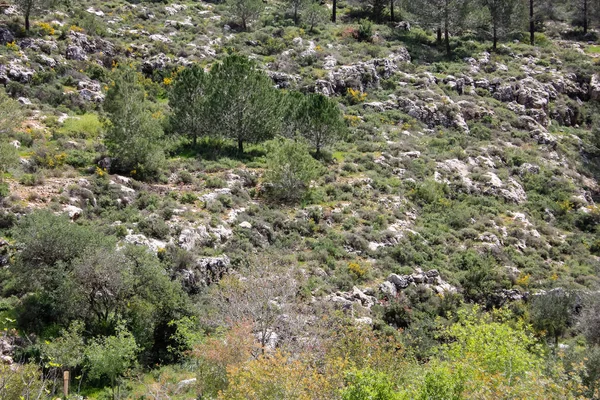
(318, 120)
(133, 132)
(503, 16)
(297, 6)
(246, 11)
(189, 101)
(32, 7)
(448, 15)
(244, 104)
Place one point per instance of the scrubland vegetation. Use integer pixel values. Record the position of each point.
(300, 200)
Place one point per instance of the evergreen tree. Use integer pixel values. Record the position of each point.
(318, 119)
(448, 15)
(246, 11)
(502, 17)
(133, 133)
(297, 6)
(244, 104)
(315, 15)
(32, 7)
(189, 101)
(290, 169)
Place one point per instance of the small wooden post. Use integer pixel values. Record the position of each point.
(66, 384)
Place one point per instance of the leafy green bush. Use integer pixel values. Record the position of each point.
(290, 170)
(368, 384)
(86, 126)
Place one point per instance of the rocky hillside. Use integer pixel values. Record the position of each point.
(471, 178)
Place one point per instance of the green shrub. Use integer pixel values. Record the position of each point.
(86, 126)
(188, 198)
(290, 170)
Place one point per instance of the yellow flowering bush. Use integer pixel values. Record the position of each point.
(355, 96)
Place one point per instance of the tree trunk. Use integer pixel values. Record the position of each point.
(446, 27)
(531, 24)
(495, 33)
(439, 34)
(447, 40)
(392, 10)
(27, 25)
(333, 11)
(295, 15)
(585, 16)
(195, 140)
(240, 146)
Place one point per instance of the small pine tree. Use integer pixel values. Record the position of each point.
(244, 105)
(189, 101)
(245, 11)
(32, 7)
(317, 118)
(315, 15)
(290, 169)
(133, 132)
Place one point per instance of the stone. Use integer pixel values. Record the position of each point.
(365, 300)
(90, 91)
(433, 273)
(185, 384)
(97, 13)
(90, 96)
(283, 80)
(49, 61)
(39, 45)
(158, 62)
(159, 38)
(528, 168)
(16, 71)
(594, 89)
(6, 360)
(141, 240)
(361, 75)
(403, 26)
(75, 53)
(400, 281)
(6, 36)
(73, 212)
(245, 225)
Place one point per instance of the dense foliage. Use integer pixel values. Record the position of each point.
(243, 200)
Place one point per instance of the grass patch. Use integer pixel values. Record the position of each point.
(593, 49)
(86, 126)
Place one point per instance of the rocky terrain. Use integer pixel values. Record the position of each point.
(468, 179)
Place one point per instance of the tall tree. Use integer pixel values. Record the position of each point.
(333, 11)
(587, 12)
(503, 16)
(449, 15)
(316, 118)
(531, 23)
(244, 104)
(133, 132)
(246, 11)
(314, 15)
(32, 7)
(189, 101)
(296, 6)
